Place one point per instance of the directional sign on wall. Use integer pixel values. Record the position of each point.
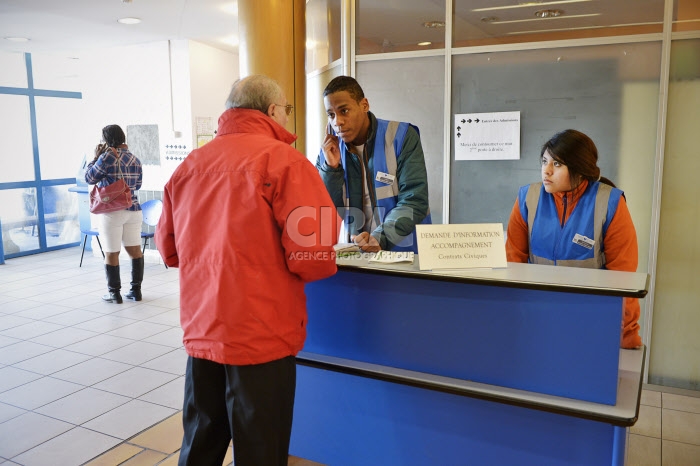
(487, 136)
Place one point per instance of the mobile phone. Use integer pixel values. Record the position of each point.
(329, 129)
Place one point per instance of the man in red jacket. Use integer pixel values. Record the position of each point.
(248, 221)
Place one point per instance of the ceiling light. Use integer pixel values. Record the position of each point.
(489, 19)
(548, 13)
(129, 20)
(17, 39)
(540, 19)
(434, 24)
(423, 44)
(529, 4)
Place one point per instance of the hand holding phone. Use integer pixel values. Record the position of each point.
(330, 147)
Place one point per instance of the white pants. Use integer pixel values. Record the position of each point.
(120, 227)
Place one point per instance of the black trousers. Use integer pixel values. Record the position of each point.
(253, 405)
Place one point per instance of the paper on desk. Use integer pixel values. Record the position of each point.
(346, 247)
(393, 257)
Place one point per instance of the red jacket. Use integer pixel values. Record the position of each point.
(248, 221)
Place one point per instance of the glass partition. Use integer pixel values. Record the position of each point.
(18, 219)
(56, 72)
(322, 33)
(14, 69)
(16, 137)
(487, 22)
(412, 90)
(60, 146)
(383, 26)
(686, 15)
(315, 111)
(673, 360)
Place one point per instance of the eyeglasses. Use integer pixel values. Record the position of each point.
(288, 109)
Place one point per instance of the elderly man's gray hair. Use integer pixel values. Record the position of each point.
(256, 92)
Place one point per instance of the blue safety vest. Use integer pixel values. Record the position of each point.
(387, 148)
(579, 243)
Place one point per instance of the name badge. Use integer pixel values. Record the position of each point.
(583, 241)
(385, 178)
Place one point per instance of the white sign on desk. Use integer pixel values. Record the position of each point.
(461, 246)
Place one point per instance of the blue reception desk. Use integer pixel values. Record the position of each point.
(507, 366)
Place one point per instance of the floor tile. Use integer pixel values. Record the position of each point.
(42, 311)
(82, 406)
(135, 382)
(73, 317)
(137, 352)
(171, 337)
(7, 412)
(174, 362)
(27, 431)
(12, 354)
(649, 422)
(31, 330)
(165, 437)
(64, 337)
(679, 454)
(139, 330)
(105, 323)
(9, 321)
(98, 345)
(51, 362)
(681, 403)
(145, 458)
(651, 398)
(681, 427)
(18, 305)
(7, 341)
(84, 445)
(51, 297)
(170, 394)
(92, 371)
(11, 377)
(171, 317)
(38, 393)
(140, 312)
(643, 451)
(129, 419)
(116, 455)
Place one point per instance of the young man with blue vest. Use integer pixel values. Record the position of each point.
(374, 171)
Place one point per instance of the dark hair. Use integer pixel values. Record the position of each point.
(345, 83)
(578, 152)
(113, 135)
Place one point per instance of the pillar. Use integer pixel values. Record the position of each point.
(272, 41)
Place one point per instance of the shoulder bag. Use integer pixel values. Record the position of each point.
(113, 197)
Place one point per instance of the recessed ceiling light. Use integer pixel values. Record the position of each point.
(129, 20)
(434, 24)
(17, 39)
(423, 44)
(489, 19)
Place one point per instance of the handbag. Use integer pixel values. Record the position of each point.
(113, 197)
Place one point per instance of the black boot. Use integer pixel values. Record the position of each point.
(114, 284)
(136, 279)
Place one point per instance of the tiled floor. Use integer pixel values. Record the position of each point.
(82, 381)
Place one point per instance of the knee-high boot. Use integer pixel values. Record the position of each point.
(136, 279)
(114, 284)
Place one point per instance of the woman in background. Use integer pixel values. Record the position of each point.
(575, 218)
(122, 226)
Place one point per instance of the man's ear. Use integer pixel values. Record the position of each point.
(364, 104)
(270, 110)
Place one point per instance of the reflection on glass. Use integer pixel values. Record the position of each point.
(686, 15)
(486, 22)
(16, 137)
(19, 220)
(608, 92)
(60, 215)
(677, 294)
(14, 69)
(60, 147)
(322, 33)
(384, 26)
(315, 111)
(415, 94)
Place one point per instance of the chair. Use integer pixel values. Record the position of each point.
(151, 214)
(86, 233)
